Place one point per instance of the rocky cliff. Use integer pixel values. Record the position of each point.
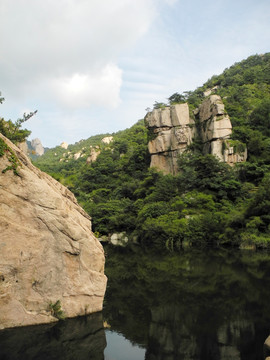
(215, 129)
(48, 252)
(172, 129)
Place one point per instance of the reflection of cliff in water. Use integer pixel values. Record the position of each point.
(81, 338)
(170, 337)
(193, 305)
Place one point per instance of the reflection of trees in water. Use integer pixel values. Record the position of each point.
(193, 305)
(81, 338)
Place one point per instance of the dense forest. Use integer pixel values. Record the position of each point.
(207, 202)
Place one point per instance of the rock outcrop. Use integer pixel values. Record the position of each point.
(37, 147)
(94, 153)
(64, 145)
(215, 130)
(107, 139)
(47, 250)
(172, 130)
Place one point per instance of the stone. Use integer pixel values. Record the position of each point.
(266, 348)
(64, 145)
(119, 239)
(94, 153)
(107, 139)
(161, 143)
(206, 108)
(165, 117)
(24, 147)
(77, 155)
(37, 147)
(173, 131)
(165, 162)
(48, 251)
(267, 342)
(159, 118)
(180, 114)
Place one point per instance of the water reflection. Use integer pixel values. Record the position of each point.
(118, 347)
(210, 305)
(80, 338)
(197, 305)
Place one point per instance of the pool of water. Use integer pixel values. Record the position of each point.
(208, 304)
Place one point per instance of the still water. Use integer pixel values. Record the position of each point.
(208, 304)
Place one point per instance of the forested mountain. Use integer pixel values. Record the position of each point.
(207, 202)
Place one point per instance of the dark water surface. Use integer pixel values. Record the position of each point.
(208, 304)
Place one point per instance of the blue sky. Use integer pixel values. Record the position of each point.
(94, 66)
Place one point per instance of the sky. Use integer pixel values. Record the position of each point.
(93, 66)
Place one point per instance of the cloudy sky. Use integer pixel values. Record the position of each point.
(94, 66)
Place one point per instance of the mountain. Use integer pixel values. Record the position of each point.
(207, 201)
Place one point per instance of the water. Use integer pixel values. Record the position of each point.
(193, 305)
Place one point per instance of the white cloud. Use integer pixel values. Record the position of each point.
(92, 66)
(67, 41)
(171, 2)
(84, 90)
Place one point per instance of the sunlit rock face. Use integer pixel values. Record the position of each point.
(172, 130)
(216, 130)
(94, 153)
(48, 251)
(107, 139)
(37, 147)
(64, 145)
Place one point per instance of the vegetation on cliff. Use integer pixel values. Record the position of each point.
(208, 202)
(14, 132)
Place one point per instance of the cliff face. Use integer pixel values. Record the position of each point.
(48, 252)
(215, 130)
(173, 129)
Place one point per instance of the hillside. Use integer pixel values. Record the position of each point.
(207, 202)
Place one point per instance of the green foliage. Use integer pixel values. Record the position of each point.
(207, 202)
(56, 310)
(12, 158)
(260, 117)
(13, 131)
(159, 105)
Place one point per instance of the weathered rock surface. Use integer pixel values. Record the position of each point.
(173, 130)
(47, 249)
(37, 146)
(64, 145)
(94, 153)
(216, 130)
(107, 139)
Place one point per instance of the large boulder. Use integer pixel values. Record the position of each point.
(48, 252)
